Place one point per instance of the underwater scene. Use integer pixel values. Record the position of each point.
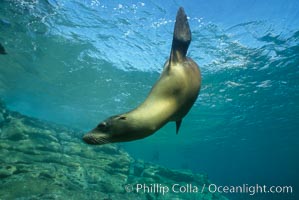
(65, 66)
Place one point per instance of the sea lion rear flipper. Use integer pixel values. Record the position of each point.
(178, 125)
(181, 37)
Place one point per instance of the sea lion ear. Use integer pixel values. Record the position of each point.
(122, 118)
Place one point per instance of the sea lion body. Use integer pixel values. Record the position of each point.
(170, 99)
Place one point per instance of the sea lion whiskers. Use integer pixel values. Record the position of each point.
(98, 139)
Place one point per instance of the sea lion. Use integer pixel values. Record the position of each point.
(170, 99)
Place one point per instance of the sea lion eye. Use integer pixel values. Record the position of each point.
(102, 125)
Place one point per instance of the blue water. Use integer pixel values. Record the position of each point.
(78, 62)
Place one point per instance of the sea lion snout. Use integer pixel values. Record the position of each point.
(96, 137)
(106, 130)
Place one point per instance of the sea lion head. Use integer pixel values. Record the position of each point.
(113, 129)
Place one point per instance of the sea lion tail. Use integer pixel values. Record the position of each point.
(181, 37)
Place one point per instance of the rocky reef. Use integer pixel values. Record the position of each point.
(41, 160)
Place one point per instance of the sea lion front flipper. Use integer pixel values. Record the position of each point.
(2, 50)
(178, 125)
(181, 37)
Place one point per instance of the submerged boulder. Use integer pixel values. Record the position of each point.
(40, 160)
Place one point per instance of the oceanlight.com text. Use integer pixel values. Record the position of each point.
(250, 189)
(163, 189)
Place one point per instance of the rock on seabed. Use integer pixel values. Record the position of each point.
(40, 160)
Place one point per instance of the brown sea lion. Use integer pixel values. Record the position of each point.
(170, 99)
